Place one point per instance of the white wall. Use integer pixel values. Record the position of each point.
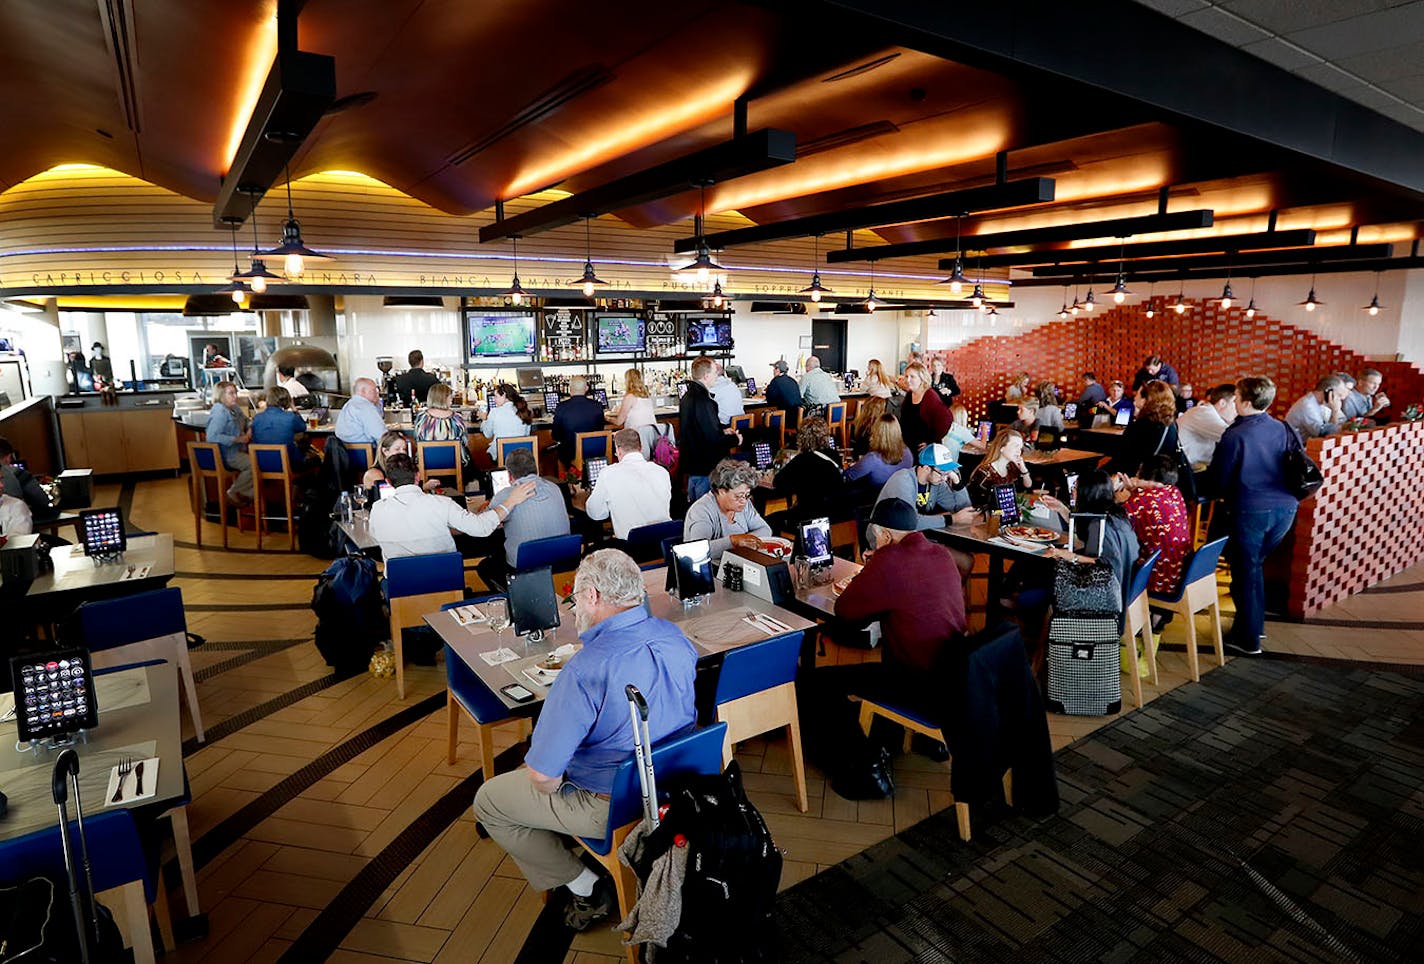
(763, 338)
(1411, 322)
(368, 330)
(38, 336)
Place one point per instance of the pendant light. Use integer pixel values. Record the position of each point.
(257, 274)
(1227, 295)
(1063, 309)
(815, 289)
(589, 281)
(236, 288)
(1374, 306)
(717, 298)
(1119, 291)
(1311, 302)
(993, 315)
(292, 248)
(1074, 307)
(1151, 309)
(703, 263)
(871, 302)
(515, 292)
(1251, 305)
(1180, 307)
(1090, 302)
(956, 277)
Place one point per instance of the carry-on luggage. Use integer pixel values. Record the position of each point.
(732, 868)
(1083, 640)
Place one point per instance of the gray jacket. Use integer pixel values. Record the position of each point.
(705, 521)
(937, 498)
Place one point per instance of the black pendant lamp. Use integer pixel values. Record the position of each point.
(589, 281)
(515, 292)
(815, 289)
(237, 289)
(257, 274)
(293, 249)
(956, 279)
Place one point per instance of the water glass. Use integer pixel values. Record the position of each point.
(498, 612)
(358, 497)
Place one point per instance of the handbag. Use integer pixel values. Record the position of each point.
(1085, 588)
(1301, 475)
(865, 774)
(1186, 475)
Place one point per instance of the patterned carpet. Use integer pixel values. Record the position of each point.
(1273, 812)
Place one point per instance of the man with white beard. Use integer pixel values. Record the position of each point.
(583, 734)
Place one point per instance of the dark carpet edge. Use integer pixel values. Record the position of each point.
(246, 654)
(261, 711)
(305, 577)
(244, 607)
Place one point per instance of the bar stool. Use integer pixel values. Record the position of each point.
(504, 446)
(205, 461)
(442, 460)
(272, 463)
(774, 419)
(592, 445)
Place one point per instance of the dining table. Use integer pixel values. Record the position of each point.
(976, 539)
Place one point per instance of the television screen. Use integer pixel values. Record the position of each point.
(621, 334)
(496, 334)
(709, 333)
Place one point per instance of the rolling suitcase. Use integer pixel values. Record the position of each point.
(1084, 637)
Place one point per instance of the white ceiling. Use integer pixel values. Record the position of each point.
(1371, 51)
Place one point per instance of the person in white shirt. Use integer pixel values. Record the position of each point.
(414, 523)
(817, 387)
(360, 421)
(727, 396)
(633, 491)
(1318, 412)
(287, 378)
(15, 516)
(1199, 428)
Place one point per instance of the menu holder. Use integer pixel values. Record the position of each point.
(1006, 501)
(692, 567)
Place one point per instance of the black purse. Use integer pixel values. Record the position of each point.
(865, 774)
(1085, 588)
(1302, 476)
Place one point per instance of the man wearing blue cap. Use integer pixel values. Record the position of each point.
(932, 487)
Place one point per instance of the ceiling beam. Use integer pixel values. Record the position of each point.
(1117, 228)
(1007, 194)
(1342, 252)
(758, 151)
(1296, 238)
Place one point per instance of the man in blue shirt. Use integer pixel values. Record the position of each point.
(1093, 393)
(228, 427)
(1247, 473)
(360, 422)
(584, 733)
(782, 392)
(1155, 369)
(575, 414)
(277, 424)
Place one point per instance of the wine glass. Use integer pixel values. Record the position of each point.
(498, 610)
(358, 497)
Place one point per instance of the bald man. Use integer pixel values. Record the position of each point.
(817, 387)
(359, 421)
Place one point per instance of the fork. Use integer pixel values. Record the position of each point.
(126, 766)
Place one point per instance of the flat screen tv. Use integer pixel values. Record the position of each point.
(620, 334)
(709, 332)
(499, 334)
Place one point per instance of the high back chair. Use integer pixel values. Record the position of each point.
(846, 535)
(698, 752)
(442, 460)
(272, 469)
(416, 585)
(205, 462)
(756, 693)
(559, 553)
(362, 456)
(837, 423)
(1197, 592)
(1201, 522)
(592, 445)
(774, 420)
(645, 543)
(743, 423)
(1137, 620)
(146, 625)
(467, 695)
(504, 446)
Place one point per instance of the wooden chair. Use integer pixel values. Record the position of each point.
(774, 420)
(442, 460)
(273, 464)
(592, 445)
(837, 422)
(1201, 522)
(1197, 592)
(363, 456)
(417, 585)
(756, 693)
(205, 462)
(697, 752)
(504, 446)
(467, 695)
(743, 423)
(1138, 622)
(846, 535)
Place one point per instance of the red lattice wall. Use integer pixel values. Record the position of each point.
(1207, 346)
(1365, 524)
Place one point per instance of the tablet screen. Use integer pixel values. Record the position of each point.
(694, 569)
(385, 490)
(815, 537)
(499, 481)
(1072, 479)
(593, 468)
(1005, 501)
(600, 396)
(751, 386)
(102, 531)
(533, 605)
(1070, 410)
(763, 455)
(1123, 416)
(551, 402)
(54, 693)
(986, 428)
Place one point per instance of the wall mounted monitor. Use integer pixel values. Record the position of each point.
(713, 333)
(102, 531)
(620, 334)
(54, 694)
(499, 334)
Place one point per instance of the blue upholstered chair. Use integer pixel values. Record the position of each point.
(272, 469)
(362, 455)
(756, 693)
(559, 553)
(645, 543)
(416, 585)
(442, 460)
(504, 446)
(204, 463)
(1197, 592)
(467, 694)
(1137, 619)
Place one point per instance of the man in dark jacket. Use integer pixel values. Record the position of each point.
(782, 392)
(702, 441)
(575, 414)
(414, 380)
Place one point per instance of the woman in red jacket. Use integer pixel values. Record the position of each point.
(924, 419)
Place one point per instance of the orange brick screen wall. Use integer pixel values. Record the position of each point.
(1207, 346)
(1367, 521)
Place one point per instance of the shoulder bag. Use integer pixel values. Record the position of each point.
(1300, 473)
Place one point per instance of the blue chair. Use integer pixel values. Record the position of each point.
(699, 751)
(560, 553)
(1137, 619)
(504, 446)
(756, 693)
(442, 459)
(416, 585)
(592, 445)
(204, 463)
(361, 455)
(645, 543)
(147, 625)
(466, 692)
(1197, 592)
(774, 420)
(116, 859)
(272, 466)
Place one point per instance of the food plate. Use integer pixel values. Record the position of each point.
(841, 585)
(1031, 534)
(774, 546)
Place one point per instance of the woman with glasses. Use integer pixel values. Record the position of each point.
(725, 516)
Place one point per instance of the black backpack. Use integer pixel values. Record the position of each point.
(733, 870)
(351, 619)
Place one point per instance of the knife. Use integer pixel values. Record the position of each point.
(774, 623)
(138, 779)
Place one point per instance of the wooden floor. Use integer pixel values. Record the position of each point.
(461, 899)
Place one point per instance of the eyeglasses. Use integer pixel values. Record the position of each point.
(739, 495)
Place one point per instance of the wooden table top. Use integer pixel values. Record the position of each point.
(74, 571)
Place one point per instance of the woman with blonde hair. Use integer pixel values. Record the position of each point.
(959, 431)
(887, 454)
(438, 422)
(393, 442)
(876, 383)
(866, 416)
(636, 409)
(923, 416)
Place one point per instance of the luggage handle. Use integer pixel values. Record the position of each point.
(643, 751)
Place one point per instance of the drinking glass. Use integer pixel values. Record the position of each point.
(498, 611)
(358, 497)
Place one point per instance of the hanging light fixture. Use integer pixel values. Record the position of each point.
(257, 275)
(237, 289)
(1227, 295)
(515, 292)
(1311, 302)
(292, 248)
(1151, 310)
(815, 289)
(1180, 306)
(956, 277)
(717, 298)
(1251, 305)
(1374, 306)
(1074, 308)
(993, 315)
(871, 302)
(703, 263)
(589, 281)
(1063, 309)
(1119, 290)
